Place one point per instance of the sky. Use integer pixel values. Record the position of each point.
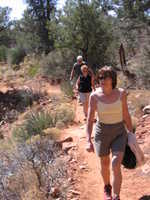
(18, 6)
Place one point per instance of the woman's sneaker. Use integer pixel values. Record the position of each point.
(107, 192)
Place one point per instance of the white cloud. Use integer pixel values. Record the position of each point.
(60, 3)
(18, 6)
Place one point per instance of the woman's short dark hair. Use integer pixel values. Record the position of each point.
(108, 71)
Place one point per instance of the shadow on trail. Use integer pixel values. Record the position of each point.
(145, 197)
(16, 101)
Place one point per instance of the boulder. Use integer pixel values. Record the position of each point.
(146, 109)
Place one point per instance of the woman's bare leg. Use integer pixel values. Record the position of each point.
(116, 175)
(105, 169)
(105, 172)
(85, 105)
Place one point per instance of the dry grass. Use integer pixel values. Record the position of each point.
(52, 133)
(137, 100)
(122, 80)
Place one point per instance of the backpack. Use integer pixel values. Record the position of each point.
(133, 156)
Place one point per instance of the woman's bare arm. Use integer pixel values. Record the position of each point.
(91, 114)
(77, 83)
(72, 73)
(93, 83)
(126, 114)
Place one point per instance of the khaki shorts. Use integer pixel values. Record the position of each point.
(83, 97)
(109, 137)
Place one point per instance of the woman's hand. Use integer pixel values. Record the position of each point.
(90, 147)
(90, 118)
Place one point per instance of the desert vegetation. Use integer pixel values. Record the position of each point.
(37, 52)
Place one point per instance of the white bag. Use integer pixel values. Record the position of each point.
(135, 148)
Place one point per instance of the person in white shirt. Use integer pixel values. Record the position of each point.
(113, 121)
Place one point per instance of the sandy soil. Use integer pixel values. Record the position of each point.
(86, 176)
(136, 183)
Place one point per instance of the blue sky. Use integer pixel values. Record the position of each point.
(18, 6)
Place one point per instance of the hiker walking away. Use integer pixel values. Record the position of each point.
(112, 127)
(76, 70)
(84, 85)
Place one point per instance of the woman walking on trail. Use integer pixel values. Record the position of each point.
(113, 124)
(84, 85)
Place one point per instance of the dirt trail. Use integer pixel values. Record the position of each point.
(86, 175)
(136, 183)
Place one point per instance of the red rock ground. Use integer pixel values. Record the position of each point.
(136, 183)
(85, 166)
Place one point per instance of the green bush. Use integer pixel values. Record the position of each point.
(3, 53)
(143, 75)
(143, 72)
(64, 114)
(15, 55)
(67, 88)
(35, 124)
(52, 133)
(25, 97)
(20, 134)
(58, 63)
(33, 70)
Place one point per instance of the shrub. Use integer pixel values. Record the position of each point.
(33, 70)
(20, 134)
(7, 145)
(60, 124)
(26, 97)
(137, 100)
(143, 74)
(67, 88)
(3, 53)
(52, 133)
(26, 168)
(64, 114)
(35, 124)
(57, 64)
(15, 56)
(122, 80)
(143, 71)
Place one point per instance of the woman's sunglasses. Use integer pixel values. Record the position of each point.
(85, 70)
(103, 77)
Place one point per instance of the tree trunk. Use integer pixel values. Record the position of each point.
(122, 57)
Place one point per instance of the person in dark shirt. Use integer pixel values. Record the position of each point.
(76, 70)
(84, 85)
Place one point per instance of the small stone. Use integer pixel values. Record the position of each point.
(144, 116)
(74, 192)
(146, 109)
(82, 167)
(54, 192)
(73, 161)
(70, 179)
(143, 132)
(146, 169)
